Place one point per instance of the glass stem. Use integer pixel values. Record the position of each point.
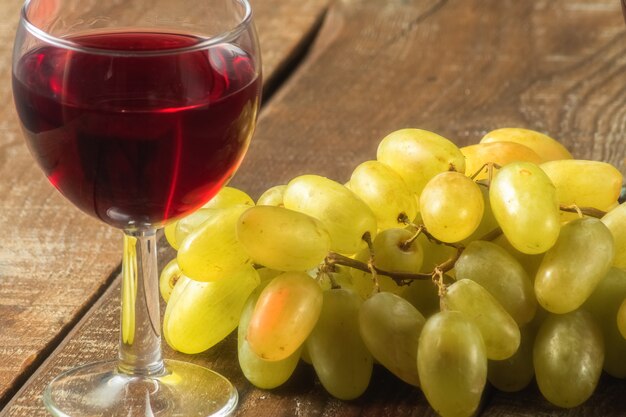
(140, 334)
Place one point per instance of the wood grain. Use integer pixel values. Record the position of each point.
(54, 260)
(457, 67)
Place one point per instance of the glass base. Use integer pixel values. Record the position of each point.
(99, 389)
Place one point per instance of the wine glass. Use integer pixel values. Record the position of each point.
(138, 112)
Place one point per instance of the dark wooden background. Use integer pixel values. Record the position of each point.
(340, 75)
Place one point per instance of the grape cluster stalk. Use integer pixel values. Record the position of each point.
(500, 262)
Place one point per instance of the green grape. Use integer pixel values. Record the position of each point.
(524, 203)
(261, 373)
(188, 224)
(434, 253)
(390, 327)
(501, 153)
(201, 314)
(423, 295)
(603, 304)
(567, 356)
(390, 254)
(515, 373)
(385, 192)
(363, 282)
(212, 251)
(229, 197)
(499, 273)
(283, 239)
(621, 319)
(498, 329)
(451, 206)
(304, 355)
(488, 223)
(452, 364)
(170, 274)
(584, 183)
(546, 147)
(272, 196)
(570, 271)
(418, 155)
(340, 359)
(267, 274)
(530, 263)
(284, 315)
(346, 217)
(344, 278)
(615, 220)
(170, 234)
(393, 254)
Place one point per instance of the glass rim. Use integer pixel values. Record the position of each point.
(222, 37)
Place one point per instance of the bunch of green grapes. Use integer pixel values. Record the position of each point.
(502, 261)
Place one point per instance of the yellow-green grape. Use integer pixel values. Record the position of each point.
(423, 295)
(603, 304)
(283, 239)
(267, 274)
(390, 327)
(571, 270)
(395, 251)
(346, 217)
(500, 332)
(584, 183)
(451, 206)
(170, 234)
(340, 359)
(615, 220)
(228, 197)
(501, 153)
(502, 275)
(452, 364)
(363, 281)
(418, 155)
(284, 315)
(434, 253)
(212, 251)
(272, 196)
(385, 192)
(170, 275)
(568, 355)
(188, 224)
(261, 373)
(362, 284)
(201, 314)
(530, 263)
(546, 147)
(621, 319)
(515, 373)
(524, 202)
(488, 222)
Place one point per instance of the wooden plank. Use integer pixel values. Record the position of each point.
(54, 260)
(457, 67)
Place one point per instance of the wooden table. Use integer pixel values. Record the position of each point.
(339, 76)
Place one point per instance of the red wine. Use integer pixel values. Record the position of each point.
(137, 139)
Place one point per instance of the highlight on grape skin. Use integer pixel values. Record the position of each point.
(445, 296)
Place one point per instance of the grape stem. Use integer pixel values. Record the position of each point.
(405, 278)
(400, 278)
(587, 211)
